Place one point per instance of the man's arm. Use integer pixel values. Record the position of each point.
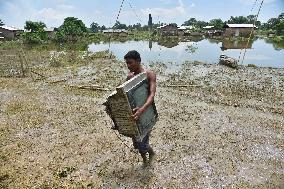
(129, 76)
(152, 83)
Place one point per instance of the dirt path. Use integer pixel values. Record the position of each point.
(218, 128)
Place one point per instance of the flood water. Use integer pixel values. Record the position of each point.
(260, 52)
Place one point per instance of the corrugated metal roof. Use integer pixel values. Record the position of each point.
(208, 27)
(240, 25)
(11, 28)
(49, 29)
(114, 30)
(182, 28)
(159, 27)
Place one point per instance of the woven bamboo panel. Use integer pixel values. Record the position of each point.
(128, 96)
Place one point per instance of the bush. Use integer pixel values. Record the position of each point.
(35, 33)
(71, 30)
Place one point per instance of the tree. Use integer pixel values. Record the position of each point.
(118, 25)
(1, 23)
(71, 29)
(190, 22)
(95, 27)
(156, 25)
(217, 23)
(280, 28)
(173, 24)
(251, 20)
(272, 22)
(201, 24)
(34, 26)
(35, 32)
(195, 23)
(238, 20)
(103, 27)
(281, 16)
(145, 28)
(137, 26)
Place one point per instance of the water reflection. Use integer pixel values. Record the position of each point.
(235, 44)
(150, 44)
(214, 41)
(260, 52)
(168, 44)
(191, 48)
(276, 45)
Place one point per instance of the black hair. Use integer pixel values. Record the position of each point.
(133, 55)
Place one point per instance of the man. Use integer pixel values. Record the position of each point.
(133, 61)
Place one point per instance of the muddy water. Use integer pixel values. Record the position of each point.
(260, 52)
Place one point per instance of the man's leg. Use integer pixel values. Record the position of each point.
(150, 149)
(151, 155)
(139, 145)
(144, 148)
(144, 157)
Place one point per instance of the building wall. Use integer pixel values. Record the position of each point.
(1, 36)
(50, 34)
(168, 30)
(7, 33)
(181, 32)
(237, 32)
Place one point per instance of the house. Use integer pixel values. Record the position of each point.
(50, 32)
(238, 30)
(181, 30)
(169, 29)
(1, 36)
(208, 30)
(10, 33)
(116, 32)
(184, 30)
(212, 31)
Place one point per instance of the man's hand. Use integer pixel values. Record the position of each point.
(137, 112)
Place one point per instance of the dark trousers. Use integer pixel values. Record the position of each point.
(142, 146)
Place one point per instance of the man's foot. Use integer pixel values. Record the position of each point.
(145, 162)
(152, 155)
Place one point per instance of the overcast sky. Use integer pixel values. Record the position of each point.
(53, 12)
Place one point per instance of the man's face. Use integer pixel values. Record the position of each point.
(132, 65)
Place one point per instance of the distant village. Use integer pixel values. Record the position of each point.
(221, 29)
(230, 30)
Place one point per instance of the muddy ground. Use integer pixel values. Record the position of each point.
(218, 127)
